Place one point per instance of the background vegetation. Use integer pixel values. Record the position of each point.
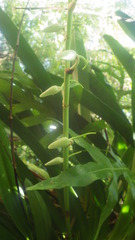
(102, 97)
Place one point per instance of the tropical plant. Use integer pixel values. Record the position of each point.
(92, 137)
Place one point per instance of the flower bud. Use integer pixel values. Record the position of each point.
(62, 142)
(54, 161)
(51, 91)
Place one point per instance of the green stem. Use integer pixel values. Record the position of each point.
(66, 96)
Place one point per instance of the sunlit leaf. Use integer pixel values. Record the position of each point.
(128, 63)
(127, 24)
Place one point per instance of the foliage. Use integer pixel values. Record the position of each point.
(101, 157)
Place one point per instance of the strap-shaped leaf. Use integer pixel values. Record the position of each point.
(128, 63)
(6, 234)
(116, 119)
(83, 175)
(42, 220)
(103, 101)
(79, 74)
(42, 78)
(127, 24)
(8, 230)
(8, 190)
(26, 135)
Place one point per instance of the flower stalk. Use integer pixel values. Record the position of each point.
(66, 96)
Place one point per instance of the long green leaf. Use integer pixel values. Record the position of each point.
(113, 117)
(100, 88)
(128, 63)
(8, 227)
(81, 175)
(42, 78)
(39, 74)
(35, 68)
(8, 189)
(55, 213)
(127, 24)
(5, 234)
(26, 135)
(81, 76)
(111, 201)
(81, 222)
(40, 214)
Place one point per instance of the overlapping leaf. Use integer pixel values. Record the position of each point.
(109, 114)
(102, 107)
(128, 63)
(40, 214)
(8, 191)
(103, 101)
(83, 175)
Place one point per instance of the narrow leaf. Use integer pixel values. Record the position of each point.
(118, 121)
(127, 24)
(8, 192)
(40, 214)
(26, 54)
(128, 63)
(41, 172)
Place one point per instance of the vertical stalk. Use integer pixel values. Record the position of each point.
(66, 97)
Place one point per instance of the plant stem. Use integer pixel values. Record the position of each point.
(66, 96)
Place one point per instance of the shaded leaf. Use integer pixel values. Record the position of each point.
(82, 175)
(40, 214)
(41, 172)
(26, 135)
(6, 234)
(8, 191)
(95, 126)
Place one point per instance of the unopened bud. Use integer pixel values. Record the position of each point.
(51, 91)
(62, 142)
(54, 161)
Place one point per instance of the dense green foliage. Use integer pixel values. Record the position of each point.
(101, 165)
